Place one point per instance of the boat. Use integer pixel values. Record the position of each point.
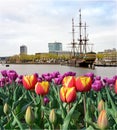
(7, 65)
(80, 56)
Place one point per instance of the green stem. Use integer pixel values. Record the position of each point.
(30, 128)
(52, 126)
(84, 103)
(42, 112)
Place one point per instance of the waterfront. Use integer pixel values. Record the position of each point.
(45, 68)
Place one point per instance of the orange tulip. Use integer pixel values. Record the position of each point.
(42, 88)
(101, 106)
(69, 81)
(102, 120)
(83, 83)
(67, 94)
(29, 81)
(115, 87)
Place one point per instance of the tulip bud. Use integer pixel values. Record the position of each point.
(102, 120)
(101, 106)
(115, 86)
(6, 108)
(29, 116)
(52, 116)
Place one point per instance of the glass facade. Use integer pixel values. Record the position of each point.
(23, 49)
(55, 47)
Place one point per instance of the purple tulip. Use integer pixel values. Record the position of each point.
(105, 80)
(58, 81)
(48, 78)
(36, 74)
(54, 74)
(46, 100)
(40, 79)
(110, 81)
(98, 77)
(70, 73)
(20, 76)
(97, 85)
(12, 75)
(90, 74)
(115, 77)
(4, 73)
(1, 84)
(20, 82)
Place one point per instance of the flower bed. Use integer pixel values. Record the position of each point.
(55, 101)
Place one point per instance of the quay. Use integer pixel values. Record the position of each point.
(106, 63)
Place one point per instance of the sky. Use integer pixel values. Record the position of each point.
(35, 23)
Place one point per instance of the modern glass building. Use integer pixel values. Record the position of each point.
(23, 49)
(55, 47)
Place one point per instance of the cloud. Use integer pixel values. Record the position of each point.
(35, 23)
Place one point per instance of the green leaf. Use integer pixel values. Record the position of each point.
(18, 122)
(68, 117)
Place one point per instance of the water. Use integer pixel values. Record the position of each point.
(40, 69)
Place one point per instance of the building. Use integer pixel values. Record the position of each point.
(23, 49)
(55, 47)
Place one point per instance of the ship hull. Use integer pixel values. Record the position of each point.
(83, 60)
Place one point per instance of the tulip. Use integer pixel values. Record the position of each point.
(46, 100)
(6, 108)
(2, 84)
(105, 80)
(67, 94)
(55, 74)
(115, 86)
(97, 85)
(83, 83)
(101, 106)
(68, 81)
(29, 116)
(58, 81)
(110, 81)
(70, 73)
(29, 81)
(12, 75)
(102, 120)
(89, 74)
(42, 88)
(52, 116)
(4, 73)
(98, 77)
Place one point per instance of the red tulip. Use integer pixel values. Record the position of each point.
(83, 83)
(67, 94)
(102, 120)
(115, 87)
(42, 88)
(69, 81)
(29, 81)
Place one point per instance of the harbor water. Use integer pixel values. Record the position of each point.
(46, 68)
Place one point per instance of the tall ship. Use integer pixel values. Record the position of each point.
(81, 54)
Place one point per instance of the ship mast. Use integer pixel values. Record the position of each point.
(73, 39)
(85, 39)
(82, 41)
(80, 32)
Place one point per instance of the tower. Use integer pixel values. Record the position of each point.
(23, 49)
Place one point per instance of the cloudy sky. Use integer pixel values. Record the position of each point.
(35, 23)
